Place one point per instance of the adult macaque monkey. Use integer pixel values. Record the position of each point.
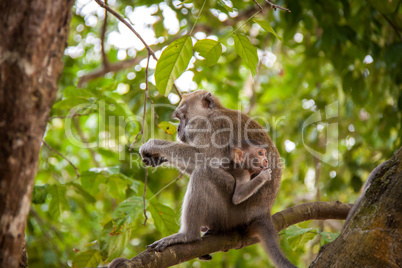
(208, 130)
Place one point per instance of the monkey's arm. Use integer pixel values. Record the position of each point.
(245, 187)
(180, 155)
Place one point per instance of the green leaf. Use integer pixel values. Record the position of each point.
(298, 237)
(58, 201)
(129, 209)
(328, 237)
(88, 258)
(211, 50)
(73, 92)
(39, 194)
(69, 103)
(172, 63)
(164, 218)
(117, 243)
(247, 52)
(267, 27)
(78, 188)
(168, 127)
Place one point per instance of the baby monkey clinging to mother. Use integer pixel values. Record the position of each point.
(248, 158)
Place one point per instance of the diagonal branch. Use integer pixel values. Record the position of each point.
(103, 34)
(120, 18)
(113, 67)
(65, 158)
(234, 240)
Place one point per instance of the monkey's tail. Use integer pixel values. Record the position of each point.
(267, 233)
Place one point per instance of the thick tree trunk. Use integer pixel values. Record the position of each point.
(372, 236)
(33, 35)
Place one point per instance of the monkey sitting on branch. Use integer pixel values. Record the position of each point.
(209, 129)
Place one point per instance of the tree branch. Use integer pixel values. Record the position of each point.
(112, 67)
(103, 34)
(120, 18)
(65, 158)
(235, 240)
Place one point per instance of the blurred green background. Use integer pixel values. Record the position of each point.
(346, 54)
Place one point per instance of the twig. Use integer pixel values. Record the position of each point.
(259, 6)
(177, 91)
(393, 26)
(246, 21)
(120, 18)
(274, 7)
(199, 14)
(103, 33)
(143, 138)
(65, 158)
(113, 67)
(170, 183)
(68, 116)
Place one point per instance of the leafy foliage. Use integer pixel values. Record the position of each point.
(173, 62)
(338, 58)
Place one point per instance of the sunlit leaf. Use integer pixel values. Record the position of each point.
(88, 258)
(267, 27)
(172, 63)
(164, 218)
(247, 52)
(169, 128)
(211, 50)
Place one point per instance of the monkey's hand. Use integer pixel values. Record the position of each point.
(265, 174)
(178, 238)
(150, 155)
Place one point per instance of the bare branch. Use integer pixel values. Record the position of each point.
(65, 158)
(120, 18)
(112, 67)
(259, 6)
(103, 34)
(68, 116)
(274, 7)
(234, 240)
(143, 138)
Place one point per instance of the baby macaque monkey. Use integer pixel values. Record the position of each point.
(248, 158)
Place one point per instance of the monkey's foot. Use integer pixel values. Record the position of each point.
(178, 238)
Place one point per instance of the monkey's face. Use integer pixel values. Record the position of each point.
(193, 109)
(257, 159)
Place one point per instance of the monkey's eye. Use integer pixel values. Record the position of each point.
(260, 153)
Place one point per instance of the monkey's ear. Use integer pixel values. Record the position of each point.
(237, 155)
(208, 101)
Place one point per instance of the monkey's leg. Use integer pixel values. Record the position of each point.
(191, 218)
